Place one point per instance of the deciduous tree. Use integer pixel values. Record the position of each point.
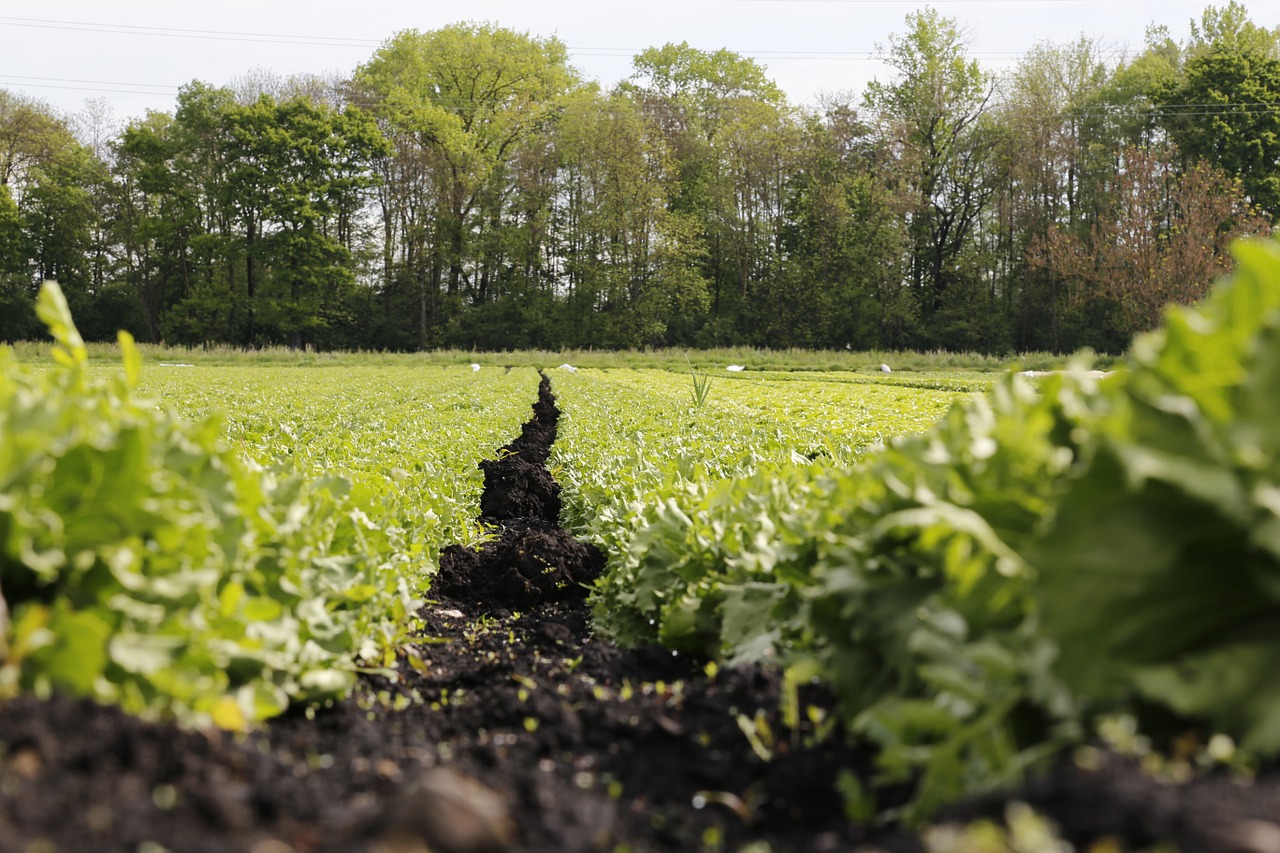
(1223, 108)
(729, 130)
(934, 111)
(463, 99)
(1164, 239)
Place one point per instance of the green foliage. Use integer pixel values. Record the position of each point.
(729, 132)
(465, 103)
(12, 248)
(972, 592)
(896, 581)
(1021, 831)
(938, 85)
(1158, 574)
(47, 184)
(619, 445)
(616, 188)
(1213, 96)
(468, 90)
(238, 218)
(701, 386)
(407, 434)
(145, 565)
(1223, 111)
(627, 465)
(678, 69)
(146, 562)
(690, 205)
(937, 110)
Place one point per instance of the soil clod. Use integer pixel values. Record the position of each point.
(448, 812)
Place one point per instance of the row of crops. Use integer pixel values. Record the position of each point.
(631, 438)
(979, 592)
(159, 558)
(976, 568)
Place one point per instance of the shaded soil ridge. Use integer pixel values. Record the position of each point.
(531, 561)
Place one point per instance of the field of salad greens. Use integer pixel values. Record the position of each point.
(977, 592)
(213, 541)
(157, 556)
(977, 567)
(629, 439)
(408, 436)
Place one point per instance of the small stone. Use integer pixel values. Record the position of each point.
(271, 845)
(99, 819)
(446, 812)
(230, 803)
(25, 763)
(670, 726)
(1255, 836)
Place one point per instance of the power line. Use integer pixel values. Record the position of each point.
(178, 32)
(588, 50)
(90, 89)
(856, 55)
(1098, 111)
(164, 86)
(601, 51)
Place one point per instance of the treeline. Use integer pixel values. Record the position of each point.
(466, 188)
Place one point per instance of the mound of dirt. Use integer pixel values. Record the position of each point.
(516, 489)
(523, 568)
(517, 485)
(531, 561)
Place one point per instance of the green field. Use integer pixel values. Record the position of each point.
(976, 564)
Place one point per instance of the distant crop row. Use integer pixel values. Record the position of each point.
(409, 436)
(631, 438)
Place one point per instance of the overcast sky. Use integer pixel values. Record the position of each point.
(136, 53)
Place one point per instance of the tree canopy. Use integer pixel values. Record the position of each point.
(466, 187)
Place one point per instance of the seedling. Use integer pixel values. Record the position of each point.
(701, 385)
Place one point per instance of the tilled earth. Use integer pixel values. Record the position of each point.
(514, 728)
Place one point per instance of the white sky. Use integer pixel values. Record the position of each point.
(135, 53)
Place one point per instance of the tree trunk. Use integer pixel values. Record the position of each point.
(251, 278)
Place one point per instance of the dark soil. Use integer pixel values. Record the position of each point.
(513, 728)
(532, 561)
